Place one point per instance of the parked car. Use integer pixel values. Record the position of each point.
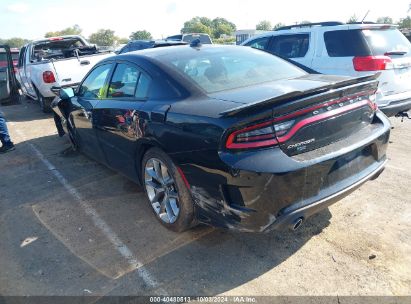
(15, 56)
(8, 83)
(137, 45)
(55, 62)
(349, 49)
(226, 135)
(204, 38)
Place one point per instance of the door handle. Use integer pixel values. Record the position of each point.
(84, 62)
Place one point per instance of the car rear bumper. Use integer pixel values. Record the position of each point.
(288, 220)
(393, 104)
(268, 190)
(396, 107)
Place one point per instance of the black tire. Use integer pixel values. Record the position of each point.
(72, 136)
(45, 103)
(185, 219)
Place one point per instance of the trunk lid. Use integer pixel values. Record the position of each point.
(323, 110)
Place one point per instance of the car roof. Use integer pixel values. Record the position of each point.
(330, 25)
(156, 42)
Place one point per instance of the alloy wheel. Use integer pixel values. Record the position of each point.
(161, 190)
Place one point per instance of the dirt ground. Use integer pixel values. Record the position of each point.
(70, 226)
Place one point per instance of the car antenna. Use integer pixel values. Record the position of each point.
(362, 21)
(195, 43)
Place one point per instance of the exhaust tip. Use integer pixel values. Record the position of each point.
(297, 223)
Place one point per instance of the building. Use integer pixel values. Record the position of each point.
(243, 35)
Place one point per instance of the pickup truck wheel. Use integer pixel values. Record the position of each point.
(45, 103)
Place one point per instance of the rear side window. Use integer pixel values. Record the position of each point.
(143, 86)
(124, 82)
(204, 39)
(128, 82)
(259, 43)
(383, 41)
(290, 46)
(346, 43)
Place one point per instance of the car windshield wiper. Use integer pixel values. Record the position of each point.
(395, 53)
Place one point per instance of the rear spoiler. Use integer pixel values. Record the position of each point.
(369, 80)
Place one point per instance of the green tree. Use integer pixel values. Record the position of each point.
(73, 30)
(215, 28)
(122, 40)
(278, 25)
(385, 20)
(221, 26)
(141, 35)
(353, 19)
(197, 25)
(16, 42)
(103, 37)
(405, 22)
(264, 26)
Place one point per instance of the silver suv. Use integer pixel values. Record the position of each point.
(349, 49)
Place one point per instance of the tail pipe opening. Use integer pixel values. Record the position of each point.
(297, 223)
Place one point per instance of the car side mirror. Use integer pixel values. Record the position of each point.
(66, 93)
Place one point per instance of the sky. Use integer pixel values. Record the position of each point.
(32, 19)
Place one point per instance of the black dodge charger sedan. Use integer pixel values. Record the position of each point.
(226, 135)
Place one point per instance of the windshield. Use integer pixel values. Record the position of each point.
(385, 41)
(217, 69)
(204, 39)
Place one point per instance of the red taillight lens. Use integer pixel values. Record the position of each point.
(48, 77)
(372, 63)
(257, 136)
(55, 38)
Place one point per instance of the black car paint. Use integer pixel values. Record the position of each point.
(136, 45)
(255, 190)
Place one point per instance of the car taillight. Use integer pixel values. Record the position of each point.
(372, 63)
(56, 38)
(48, 77)
(257, 136)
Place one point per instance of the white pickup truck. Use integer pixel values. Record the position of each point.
(55, 62)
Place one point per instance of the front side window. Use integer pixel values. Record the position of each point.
(290, 46)
(259, 43)
(93, 85)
